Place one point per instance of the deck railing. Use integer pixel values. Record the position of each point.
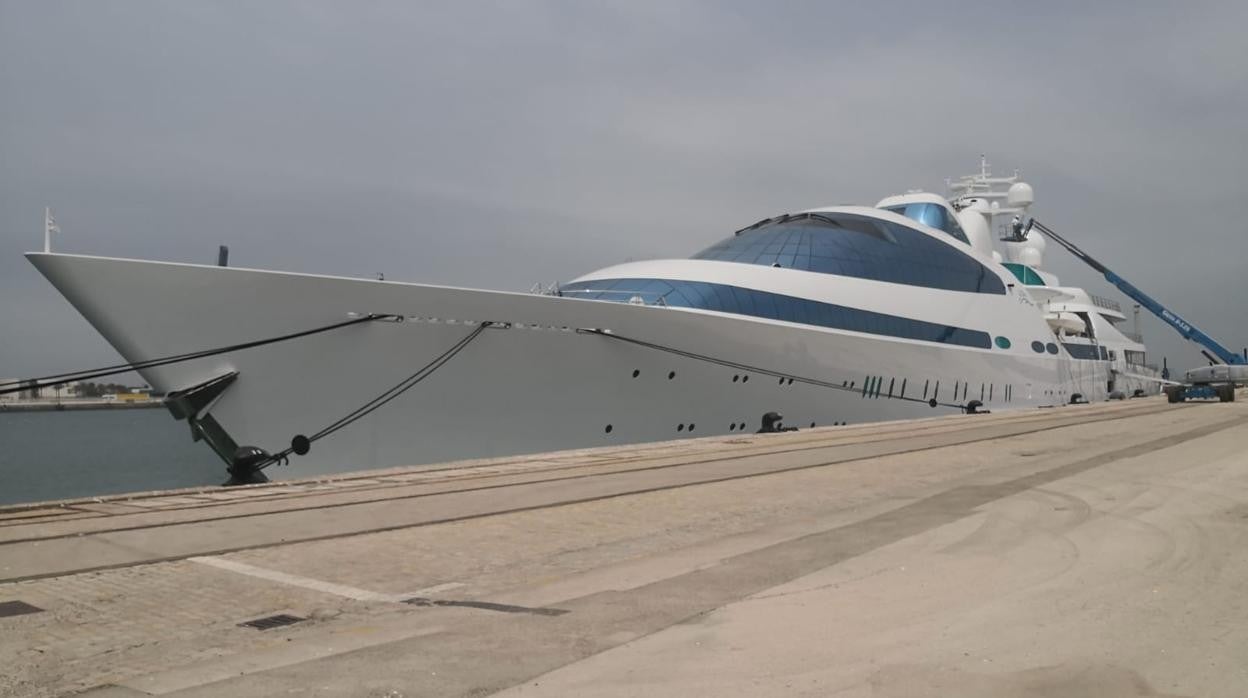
(1102, 302)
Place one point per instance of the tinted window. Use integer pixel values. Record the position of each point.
(856, 246)
(933, 216)
(1085, 351)
(1025, 274)
(731, 299)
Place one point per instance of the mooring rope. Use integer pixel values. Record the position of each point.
(63, 378)
(300, 444)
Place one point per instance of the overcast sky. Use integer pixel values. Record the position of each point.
(500, 144)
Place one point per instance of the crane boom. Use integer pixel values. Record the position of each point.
(1183, 327)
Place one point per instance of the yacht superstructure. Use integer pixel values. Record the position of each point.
(827, 316)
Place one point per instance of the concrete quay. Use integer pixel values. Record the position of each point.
(1091, 550)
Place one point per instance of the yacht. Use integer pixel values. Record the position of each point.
(921, 305)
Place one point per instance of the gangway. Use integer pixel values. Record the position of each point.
(1216, 380)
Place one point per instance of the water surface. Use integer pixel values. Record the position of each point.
(58, 455)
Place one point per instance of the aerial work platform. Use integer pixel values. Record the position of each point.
(1083, 550)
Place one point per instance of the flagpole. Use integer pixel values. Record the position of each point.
(47, 229)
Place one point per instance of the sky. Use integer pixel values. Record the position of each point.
(501, 144)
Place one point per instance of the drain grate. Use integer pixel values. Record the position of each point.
(272, 621)
(17, 608)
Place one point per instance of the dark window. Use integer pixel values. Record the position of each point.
(1037, 347)
(741, 301)
(933, 216)
(1002, 342)
(857, 246)
(1085, 351)
(1051, 348)
(1024, 273)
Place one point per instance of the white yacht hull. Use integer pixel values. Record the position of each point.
(537, 386)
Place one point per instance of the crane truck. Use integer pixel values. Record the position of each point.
(1226, 368)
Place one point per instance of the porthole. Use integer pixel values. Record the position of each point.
(812, 425)
(691, 426)
(732, 427)
(1037, 347)
(671, 375)
(680, 427)
(1051, 348)
(608, 429)
(744, 378)
(1002, 342)
(735, 378)
(781, 381)
(636, 372)
(790, 381)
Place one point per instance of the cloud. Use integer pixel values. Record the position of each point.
(446, 143)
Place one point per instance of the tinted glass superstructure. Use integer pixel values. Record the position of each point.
(931, 215)
(742, 301)
(857, 246)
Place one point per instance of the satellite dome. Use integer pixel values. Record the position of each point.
(1020, 195)
(1030, 256)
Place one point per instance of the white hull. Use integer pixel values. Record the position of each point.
(534, 387)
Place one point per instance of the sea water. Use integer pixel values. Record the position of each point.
(85, 453)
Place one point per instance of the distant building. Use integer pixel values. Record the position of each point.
(135, 395)
(31, 391)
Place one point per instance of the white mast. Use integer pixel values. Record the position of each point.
(49, 227)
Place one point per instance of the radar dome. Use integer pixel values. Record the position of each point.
(1020, 195)
(1030, 256)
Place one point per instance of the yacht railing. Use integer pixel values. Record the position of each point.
(1106, 303)
(635, 297)
(541, 289)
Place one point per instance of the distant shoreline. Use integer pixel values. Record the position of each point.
(74, 405)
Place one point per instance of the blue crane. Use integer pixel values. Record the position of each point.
(1210, 347)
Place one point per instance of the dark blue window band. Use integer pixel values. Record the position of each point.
(742, 301)
(1086, 351)
(857, 246)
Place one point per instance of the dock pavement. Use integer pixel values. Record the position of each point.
(1087, 550)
